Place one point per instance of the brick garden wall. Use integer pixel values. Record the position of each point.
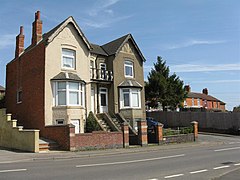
(98, 139)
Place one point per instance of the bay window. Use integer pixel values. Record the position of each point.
(130, 98)
(69, 93)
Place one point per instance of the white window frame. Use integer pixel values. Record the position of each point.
(192, 102)
(80, 91)
(129, 64)
(198, 101)
(131, 102)
(69, 56)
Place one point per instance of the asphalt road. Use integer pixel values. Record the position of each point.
(212, 157)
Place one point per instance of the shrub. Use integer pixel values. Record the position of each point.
(91, 124)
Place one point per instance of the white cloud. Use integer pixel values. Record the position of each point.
(204, 68)
(104, 22)
(7, 40)
(193, 42)
(102, 5)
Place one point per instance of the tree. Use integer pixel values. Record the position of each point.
(163, 87)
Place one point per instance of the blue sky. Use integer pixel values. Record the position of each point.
(200, 40)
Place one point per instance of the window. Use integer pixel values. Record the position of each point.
(103, 69)
(69, 93)
(68, 58)
(192, 101)
(130, 98)
(19, 96)
(60, 121)
(128, 68)
(198, 100)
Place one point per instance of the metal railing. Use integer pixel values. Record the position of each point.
(177, 131)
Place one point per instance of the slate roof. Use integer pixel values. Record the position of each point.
(2, 88)
(96, 49)
(130, 83)
(113, 46)
(67, 76)
(202, 96)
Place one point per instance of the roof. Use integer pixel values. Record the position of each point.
(50, 35)
(96, 49)
(2, 88)
(202, 96)
(130, 83)
(67, 76)
(115, 46)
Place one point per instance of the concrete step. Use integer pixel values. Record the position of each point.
(46, 145)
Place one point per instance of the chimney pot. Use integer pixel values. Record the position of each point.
(205, 91)
(21, 30)
(37, 15)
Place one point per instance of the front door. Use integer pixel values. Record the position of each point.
(103, 100)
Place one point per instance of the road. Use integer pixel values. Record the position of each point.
(212, 157)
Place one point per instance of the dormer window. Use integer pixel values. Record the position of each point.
(128, 68)
(68, 58)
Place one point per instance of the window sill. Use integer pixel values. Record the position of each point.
(68, 69)
(68, 107)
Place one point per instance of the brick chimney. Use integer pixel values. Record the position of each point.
(187, 88)
(205, 91)
(36, 29)
(19, 43)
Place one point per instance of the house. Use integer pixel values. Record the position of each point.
(61, 77)
(202, 100)
(2, 91)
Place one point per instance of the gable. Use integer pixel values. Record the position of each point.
(128, 48)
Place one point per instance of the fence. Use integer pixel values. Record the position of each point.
(208, 121)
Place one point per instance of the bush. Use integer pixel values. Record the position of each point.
(91, 124)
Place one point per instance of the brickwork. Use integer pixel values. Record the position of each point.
(125, 130)
(26, 74)
(159, 133)
(142, 133)
(195, 129)
(98, 139)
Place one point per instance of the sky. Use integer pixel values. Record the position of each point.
(200, 40)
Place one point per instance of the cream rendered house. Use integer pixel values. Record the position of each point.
(61, 77)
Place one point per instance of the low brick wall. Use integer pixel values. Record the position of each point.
(59, 134)
(178, 138)
(98, 140)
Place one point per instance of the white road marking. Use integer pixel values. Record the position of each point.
(226, 149)
(234, 143)
(153, 179)
(127, 162)
(238, 164)
(221, 167)
(12, 170)
(199, 171)
(173, 176)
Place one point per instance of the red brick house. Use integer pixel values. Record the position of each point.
(202, 100)
(61, 77)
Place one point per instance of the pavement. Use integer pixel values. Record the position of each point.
(9, 156)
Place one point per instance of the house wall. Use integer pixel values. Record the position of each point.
(27, 73)
(119, 77)
(67, 38)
